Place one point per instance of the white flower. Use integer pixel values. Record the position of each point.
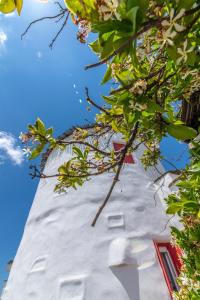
(184, 280)
(27, 151)
(24, 137)
(139, 87)
(184, 52)
(167, 37)
(108, 9)
(194, 73)
(173, 20)
(21, 136)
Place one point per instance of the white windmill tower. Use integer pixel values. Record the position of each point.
(126, 256)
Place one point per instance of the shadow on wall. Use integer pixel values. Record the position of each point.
(129, 279)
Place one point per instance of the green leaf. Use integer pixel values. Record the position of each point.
(185, 4)
(174, 208)
(115, 126)
(81, 8)
(185, 184)
(36, 152)
(49, 131)
(195, 168)
(40, 127)
(7, 6)
(108, 46)
(18, 4)
(112, 25)
(172, 52)
(143, 4)
(132, 16)
(95, 46)
(107, 75)
(78, 152)
(191, 205)
(129, 116)
(181, 132)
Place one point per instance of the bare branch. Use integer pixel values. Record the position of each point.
(116, 178)
(168, 172)
(38, 174)
(165, 227)
(170, 163)
(62, 13)
(59, 32)
(93, 103)
(59, 5)
(175, 180)
(61, 142)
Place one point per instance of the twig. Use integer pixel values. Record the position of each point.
(61, 142)
(128, 86)
(93, 103)
(116, 178)
(59, 32)
(59, 5)
(157, 190)
(170, 163)
(42, 19)
(175, 180)
(167, 172)
(165, 227)
(117, 51)
(37, 174)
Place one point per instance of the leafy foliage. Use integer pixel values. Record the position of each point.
(186, 204)
(151, 51)
(8, 6)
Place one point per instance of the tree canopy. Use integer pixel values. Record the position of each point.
(151, 52)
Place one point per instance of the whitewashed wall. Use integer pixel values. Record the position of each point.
(61, 257)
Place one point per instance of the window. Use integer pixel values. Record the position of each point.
(128, 158)
(170, 263)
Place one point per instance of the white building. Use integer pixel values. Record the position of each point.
(126, 256)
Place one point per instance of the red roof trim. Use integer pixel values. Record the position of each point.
(128, 158)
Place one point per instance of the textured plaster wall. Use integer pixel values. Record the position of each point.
(61, 257)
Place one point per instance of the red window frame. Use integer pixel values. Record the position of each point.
(175, 258)
(128, 158)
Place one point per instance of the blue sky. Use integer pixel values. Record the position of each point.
(37, 82)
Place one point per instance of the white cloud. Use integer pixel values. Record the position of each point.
(43, 1)
(3, 38)
(9, 149)
(10, 15)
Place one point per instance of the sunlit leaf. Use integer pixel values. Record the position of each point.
(7, 6)
(181, 132)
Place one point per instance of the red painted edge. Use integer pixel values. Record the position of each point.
(128, 158)
(175, 258)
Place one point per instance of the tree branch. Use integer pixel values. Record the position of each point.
(85, 144)
(38, 174)
(116, 178)
(93, 103)
(62, 13)
(146, 27)
(128, 86)
(168, 172)
(59, 32)
(117, 51)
